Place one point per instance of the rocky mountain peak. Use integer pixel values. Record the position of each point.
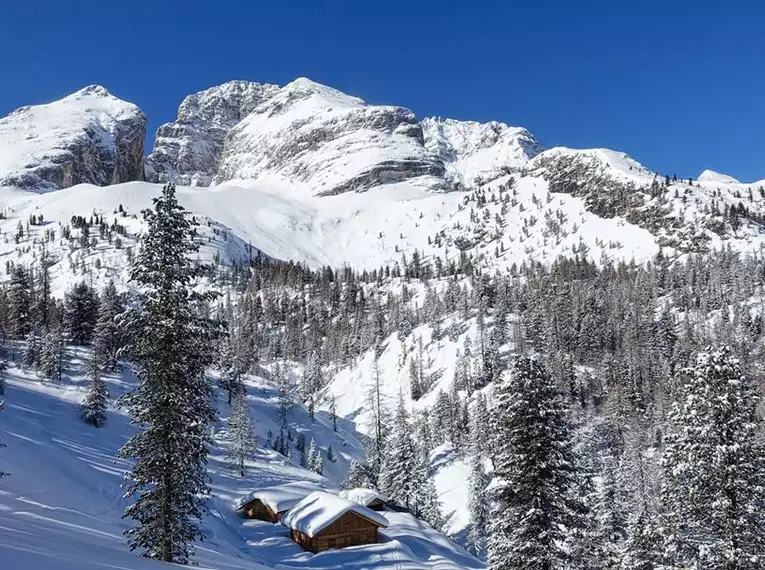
(475, 151)
(322, 141)
(188, 150)
(88, 136)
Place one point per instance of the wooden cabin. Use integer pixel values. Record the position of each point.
(270, 503)
(322, 521)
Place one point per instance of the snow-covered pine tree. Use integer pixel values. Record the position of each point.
(80, 313)
(285, 393)
(242, 440)
(93, 407)
(398, 478)
(536, 510)
(51, 359)
(31, 355)
(315, 460)
(333, 412)
(107, 336)
(427, 501)
(479, 506)
(19, 302)
(170, 346)
(357, 476)
(713, 488)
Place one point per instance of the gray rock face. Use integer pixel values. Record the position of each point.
(188, 150)
(87, 137)
(475, 151)
(323, 142)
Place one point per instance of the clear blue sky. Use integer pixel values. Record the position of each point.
(678, 84)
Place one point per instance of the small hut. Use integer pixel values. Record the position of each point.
(322, 521)
(270, 503)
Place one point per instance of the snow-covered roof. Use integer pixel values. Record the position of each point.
(362, 496)
(280, 498)
(319, 510)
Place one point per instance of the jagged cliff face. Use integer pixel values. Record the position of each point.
(88, 136)
(318, 139)
(188, 150)
(474, 152)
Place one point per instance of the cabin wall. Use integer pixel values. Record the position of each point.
(257, 510)
(349, 530)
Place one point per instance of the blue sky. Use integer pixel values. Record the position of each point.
(679, 85)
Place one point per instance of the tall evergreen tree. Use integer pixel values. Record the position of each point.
(357, 476)
(241, 435)
(537, 511)
(19, 302)
(714, 470)
(400, 467)
(93, 407)
(315, 460)
(479, 506)
(80, 313)
(51, 355)
(107, 336)
(170, 345)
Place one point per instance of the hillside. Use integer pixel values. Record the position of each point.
(61, 507)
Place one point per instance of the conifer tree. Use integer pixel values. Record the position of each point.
(31, 355)
(241, 435)
(357, 476)
(398, 478)
(285, 393)
(170, 346)
(107, 336)
(51, 355)
(714, 470)
(315, 461)
(81, 313)
(93, 407)
(428, 503)
(478, 506)
(19, 302)
(536, 512)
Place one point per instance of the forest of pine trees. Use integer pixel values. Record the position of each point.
(609, 413)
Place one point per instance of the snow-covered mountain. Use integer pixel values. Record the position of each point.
(88, 136)
(188, 150)
(307, 173)
(473, 152)
(316, 138)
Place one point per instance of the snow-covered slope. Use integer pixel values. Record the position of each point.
(188, 150)
(324, 142)
(61, 508)
(88, 136)
(475, 151)
(712, 177)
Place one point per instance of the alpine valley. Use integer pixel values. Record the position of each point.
(384, 281)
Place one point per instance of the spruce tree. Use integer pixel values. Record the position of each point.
(537, 512)
(398, 478)
(357, 476)
(107, 336)
(241, 436)
(51, 355)
(714, 470)
(93, 407)
(315, 461)
(80, 313)
(19, 302)
(478, 506)
(170, 347)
